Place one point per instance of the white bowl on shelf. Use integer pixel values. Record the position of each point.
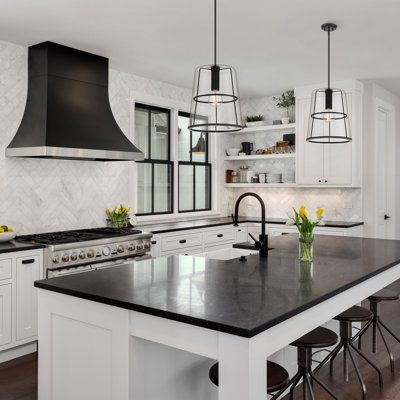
(7, 236)
(232, 152)
(255, 123)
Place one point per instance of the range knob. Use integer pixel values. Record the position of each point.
(147, 246)
(106, 251)
(90, 253)
(65, 257)
(82, 255)
(139, 247)
(56, 259)
(74, 257)
(120, 248)
(131, 247)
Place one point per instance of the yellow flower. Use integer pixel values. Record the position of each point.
(302, 212)
(320, 213)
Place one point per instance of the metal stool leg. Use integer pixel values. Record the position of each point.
(295, 380)
(389, 330)
(334, 356)
(333, 353)
(323, 386)
(387, 348)
(360, 379)
(307, 386)
(294, 384)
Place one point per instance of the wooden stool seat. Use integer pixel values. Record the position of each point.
(355, 314)
(317, 338)
(384, 295)
(277, 376)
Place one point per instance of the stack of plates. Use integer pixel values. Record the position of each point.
(288, 177)
(274, 178)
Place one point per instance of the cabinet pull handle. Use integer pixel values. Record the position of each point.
(154, 242)
(239, 230)
(319, 180)
(220, 235)
(30, 261)
(326, 181)
(182, 241)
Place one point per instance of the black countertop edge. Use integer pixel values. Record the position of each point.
(210, 324)
(158, 228)
(12, 247)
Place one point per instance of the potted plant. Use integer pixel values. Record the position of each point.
(254, 120)
(305, 226)
(287, 102)
(118, 217)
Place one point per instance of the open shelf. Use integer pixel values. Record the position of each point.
(260, 157)
(265, 128)
(260, 185)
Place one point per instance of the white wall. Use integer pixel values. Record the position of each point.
(47, 195)
(280, 200)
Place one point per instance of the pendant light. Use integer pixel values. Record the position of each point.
(215, 103)
(328, 116)
(200, 147)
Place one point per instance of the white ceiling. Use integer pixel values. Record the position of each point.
(274, 45)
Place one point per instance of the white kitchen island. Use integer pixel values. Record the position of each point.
(150, 330)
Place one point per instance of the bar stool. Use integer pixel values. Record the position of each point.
(316, 339)
(277, 376)
(346, 319)
(377, 324)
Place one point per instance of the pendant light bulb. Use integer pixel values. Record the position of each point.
(328, 114)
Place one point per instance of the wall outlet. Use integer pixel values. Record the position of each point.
(347, 204)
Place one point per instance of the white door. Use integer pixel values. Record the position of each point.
(310, 156)
(384, 171)
(28, 271)
(5, 314)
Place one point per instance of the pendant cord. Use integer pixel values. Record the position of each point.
(215, 32)
(329, 59)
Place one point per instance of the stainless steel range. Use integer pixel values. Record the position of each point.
(70, 252)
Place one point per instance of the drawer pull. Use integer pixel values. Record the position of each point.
(29, 261)
(154, 242)
(182, 241)
(220, 235)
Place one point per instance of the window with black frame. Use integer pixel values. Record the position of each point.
(155, 173)
(194, 168)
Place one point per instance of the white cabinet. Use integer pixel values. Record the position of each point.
(28, 271)
(5, 314)
(329, 164)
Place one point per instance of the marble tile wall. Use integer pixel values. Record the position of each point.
(48, 195)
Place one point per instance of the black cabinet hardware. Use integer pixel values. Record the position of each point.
(220, 235)
(154, 242)
(182, 241)
(29, 261)
(386, 216)
(326, 181)
(319, 180)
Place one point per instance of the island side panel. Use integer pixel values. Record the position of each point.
(83, 349)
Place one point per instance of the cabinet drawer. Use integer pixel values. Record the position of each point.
(178, 242)
(219, 236)
(5, 314)
(5, 269)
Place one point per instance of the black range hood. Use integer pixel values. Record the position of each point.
(68, 113)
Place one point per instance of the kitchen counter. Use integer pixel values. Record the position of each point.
(162, 323)
(240, 298)
(13, 246)
(210, 222)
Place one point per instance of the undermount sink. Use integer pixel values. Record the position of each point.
(227, 254)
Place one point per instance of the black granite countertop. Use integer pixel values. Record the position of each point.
(240, 298)
(9, 247)
(210, 222)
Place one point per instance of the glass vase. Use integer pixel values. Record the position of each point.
(117, 223)
(306, 251)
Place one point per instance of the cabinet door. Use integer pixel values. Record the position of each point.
(28, 271)
(155, 246)
(241, 234)
(5, 314)
(310, 156)
(337, 157)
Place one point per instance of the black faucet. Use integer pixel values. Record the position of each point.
(262, 243)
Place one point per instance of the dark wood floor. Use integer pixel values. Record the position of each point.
(18, 378)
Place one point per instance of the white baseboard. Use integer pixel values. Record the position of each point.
(19, 351)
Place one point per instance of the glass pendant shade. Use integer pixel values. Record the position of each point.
(200, 147)
(329, 122)
(215, 103)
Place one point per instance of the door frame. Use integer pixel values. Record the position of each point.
(389, 109)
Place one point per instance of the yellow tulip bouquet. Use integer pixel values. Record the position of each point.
(118, 217)
(305, 226)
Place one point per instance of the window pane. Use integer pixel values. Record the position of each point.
(199, 141)
(183, 138)
(159, 135)
(186, 187)
(202, 189)
(144, 185)
(162, 188)
(142, 130)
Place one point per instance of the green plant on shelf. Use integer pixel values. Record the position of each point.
(286, 100)
(254, 118)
